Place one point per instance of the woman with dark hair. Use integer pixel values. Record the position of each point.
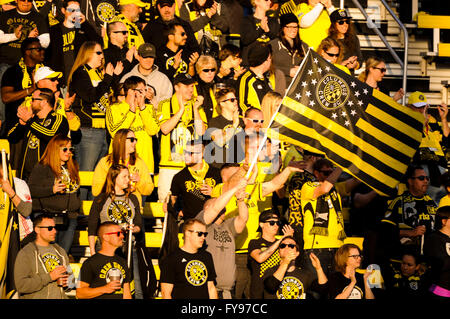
(346, 283)
(343, 30)
(331, 50)
(288, 50)
(123, 152)
(54, 185)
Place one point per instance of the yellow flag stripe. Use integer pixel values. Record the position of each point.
(339, 130)
(394, 122)
(338, 149)
(386, 138)
(401, 108)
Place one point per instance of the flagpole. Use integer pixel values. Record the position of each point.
(130, 238)
(255, 158)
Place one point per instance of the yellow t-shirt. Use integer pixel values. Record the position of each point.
(142, 123)
(335, 227)
(318, 31)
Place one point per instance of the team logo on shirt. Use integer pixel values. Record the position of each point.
(51, 261)
(105, 11)
(356, 293)
(196, 273)
(332, 92)
(119, 211)
(291, 288)
(33, 142)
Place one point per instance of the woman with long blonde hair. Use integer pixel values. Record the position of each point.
(92, 83)
(54, 186)
(373, 74)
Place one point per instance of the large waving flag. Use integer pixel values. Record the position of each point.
(9, 241)
(360, 129)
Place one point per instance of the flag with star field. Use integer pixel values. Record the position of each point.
(358, 128)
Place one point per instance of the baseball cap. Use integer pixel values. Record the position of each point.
(184, 78)
(163, 3)
(257, 54)
(136, 2)
(147, 50)
(339, 14)
(45, 72)
(417, 99)
(266, 215)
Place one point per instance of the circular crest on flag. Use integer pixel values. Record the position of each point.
(332, 92)
(105, 12)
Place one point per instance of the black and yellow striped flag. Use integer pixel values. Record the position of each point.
(358, 128)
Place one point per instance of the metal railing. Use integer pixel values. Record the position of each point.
(403, 64)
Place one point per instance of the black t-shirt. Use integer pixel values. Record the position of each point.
(295, 284)
(258, 270)
(9, 21)
(337, 283)
(165, 60)
(97, 270)
(68, 35)
(232, 147)
(187, 189)
(189, 273)
(437, 252)
(13, 77)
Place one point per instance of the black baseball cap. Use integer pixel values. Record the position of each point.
(147, 50)
(183, 78)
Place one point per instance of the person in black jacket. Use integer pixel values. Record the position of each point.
(54, 185)
(154, 30)
(67, 38)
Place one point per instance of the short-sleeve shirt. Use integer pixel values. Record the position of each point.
(294, 285)
(98, 270)
(189, 273)
(337, 282)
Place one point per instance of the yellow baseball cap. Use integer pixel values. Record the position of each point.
(417, 99)
(136, 2)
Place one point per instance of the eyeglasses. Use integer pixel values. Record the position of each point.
(70, 10)
(49, 228)
(231, 99)
(382, 70)
(332, 54)
(65, 149)
(39, 49)
(209, 70)
(355, 256)
(326, 172)
(118, 233)
(124, 32)
(273, 222)
(36, 99)
(99, 52)
(421, 177)
(199, 233)
(287, 245)
(341, 22)
(132, 139)
(256, 120)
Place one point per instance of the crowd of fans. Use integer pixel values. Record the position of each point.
(130, 90)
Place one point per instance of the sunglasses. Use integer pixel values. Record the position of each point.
(65, 149)
(209, 70)
(53, 79)
(118, 233)
(39, 49)
(287, 245)
(192, 153)
(341, 22)
(382, 70)
(99, 52)
(36, 99)
(256, 121)
(273, 222)
(49, 228)
(332, 54)
(421, 178)
(123, 32)
(199, 233)
(132, 139)
(232, 99)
